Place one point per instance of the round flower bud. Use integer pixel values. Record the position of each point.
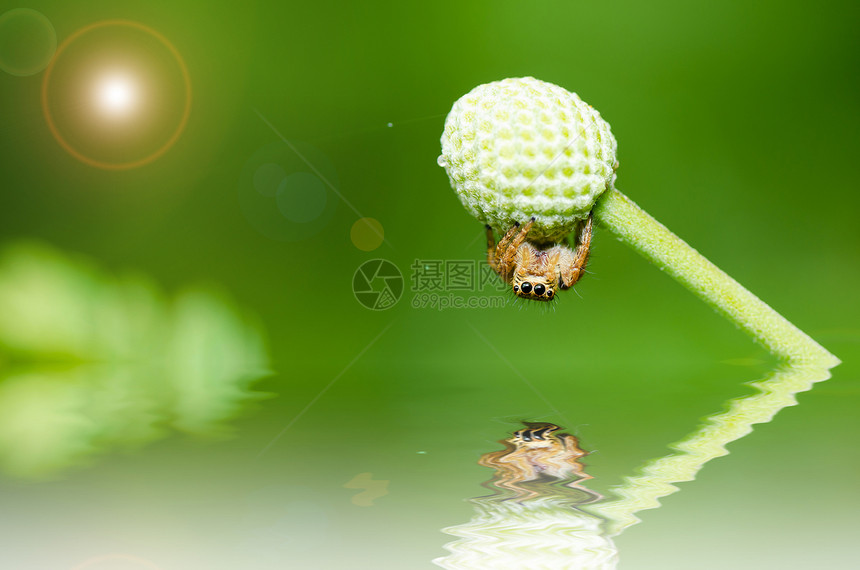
(521, 148)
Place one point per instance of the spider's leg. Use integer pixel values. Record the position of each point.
(506, 240)
(508, 257)
(521, 236)
(572, 265)
(553, 265)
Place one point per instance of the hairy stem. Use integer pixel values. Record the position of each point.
(617, 213)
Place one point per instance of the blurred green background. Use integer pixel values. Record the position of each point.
(737, 128)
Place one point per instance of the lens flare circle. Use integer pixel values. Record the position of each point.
(28, 41)
(287, 190)
(367, 234)
(267, 178)
(301, 197)
(116, 96)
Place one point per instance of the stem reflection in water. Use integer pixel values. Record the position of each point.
(657, 477)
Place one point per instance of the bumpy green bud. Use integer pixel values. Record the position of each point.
(522, 148)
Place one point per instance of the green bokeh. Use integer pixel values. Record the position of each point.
(736, 127)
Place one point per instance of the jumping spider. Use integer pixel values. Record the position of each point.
(536, 273)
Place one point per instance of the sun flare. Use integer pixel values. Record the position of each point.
(116, 95)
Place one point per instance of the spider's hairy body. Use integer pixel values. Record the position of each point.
(533, 272)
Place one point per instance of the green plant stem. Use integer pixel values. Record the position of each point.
(617, 213)
(805, 361)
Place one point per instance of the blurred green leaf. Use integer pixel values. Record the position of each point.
(91, 362)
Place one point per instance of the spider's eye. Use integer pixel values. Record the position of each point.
(516, 288)
(540, 289)
(526, 287)
(549, 293)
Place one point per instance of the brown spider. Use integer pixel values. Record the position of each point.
(536, 273)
